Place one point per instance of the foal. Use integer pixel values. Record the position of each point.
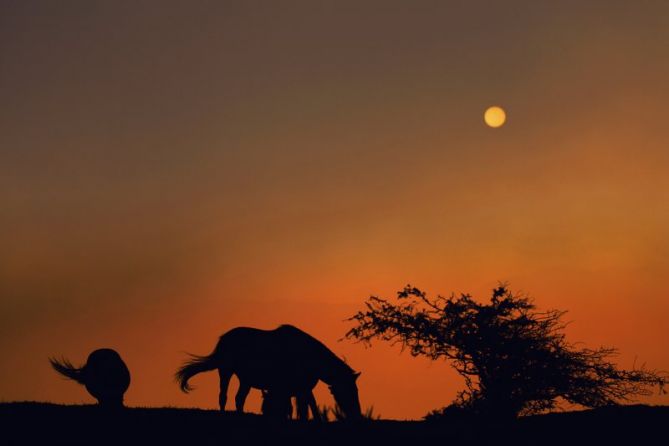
(276, 405)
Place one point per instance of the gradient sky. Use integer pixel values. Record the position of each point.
(170, 170)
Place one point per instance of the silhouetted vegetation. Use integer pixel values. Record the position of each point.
(52, 424)
(338, 415)
(514, 359)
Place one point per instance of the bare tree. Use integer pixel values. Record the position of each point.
(514, 359)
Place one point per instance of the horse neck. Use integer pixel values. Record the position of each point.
(333, 370)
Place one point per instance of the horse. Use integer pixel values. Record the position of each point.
(105, 376)
(285, 360)
(276, 405)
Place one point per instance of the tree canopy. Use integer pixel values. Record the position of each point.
(514, 358)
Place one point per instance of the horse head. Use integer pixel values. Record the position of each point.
(345, 393)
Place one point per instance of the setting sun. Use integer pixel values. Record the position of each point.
(494, 116)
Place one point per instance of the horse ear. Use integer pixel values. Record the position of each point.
(356, 376)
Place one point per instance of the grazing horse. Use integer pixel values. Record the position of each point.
(285, 360)
(105, 376)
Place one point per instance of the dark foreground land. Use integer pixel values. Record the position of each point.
(51, 424)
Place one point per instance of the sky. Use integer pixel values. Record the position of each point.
(170, 170)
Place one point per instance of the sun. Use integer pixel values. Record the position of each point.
(494, 116)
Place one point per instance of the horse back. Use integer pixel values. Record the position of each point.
(264, 358)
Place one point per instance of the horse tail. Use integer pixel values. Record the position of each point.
(65, 368)
(194, 366)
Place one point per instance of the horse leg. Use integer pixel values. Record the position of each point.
(240, 398)
(224, 376)
(302, 406)
(311, 401)
(289, 408)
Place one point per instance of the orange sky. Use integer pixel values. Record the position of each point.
(169, 171)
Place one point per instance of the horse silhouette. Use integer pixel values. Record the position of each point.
(285, 360)
(105, 376)
(276, 405)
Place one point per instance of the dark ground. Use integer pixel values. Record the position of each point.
(51, 424)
